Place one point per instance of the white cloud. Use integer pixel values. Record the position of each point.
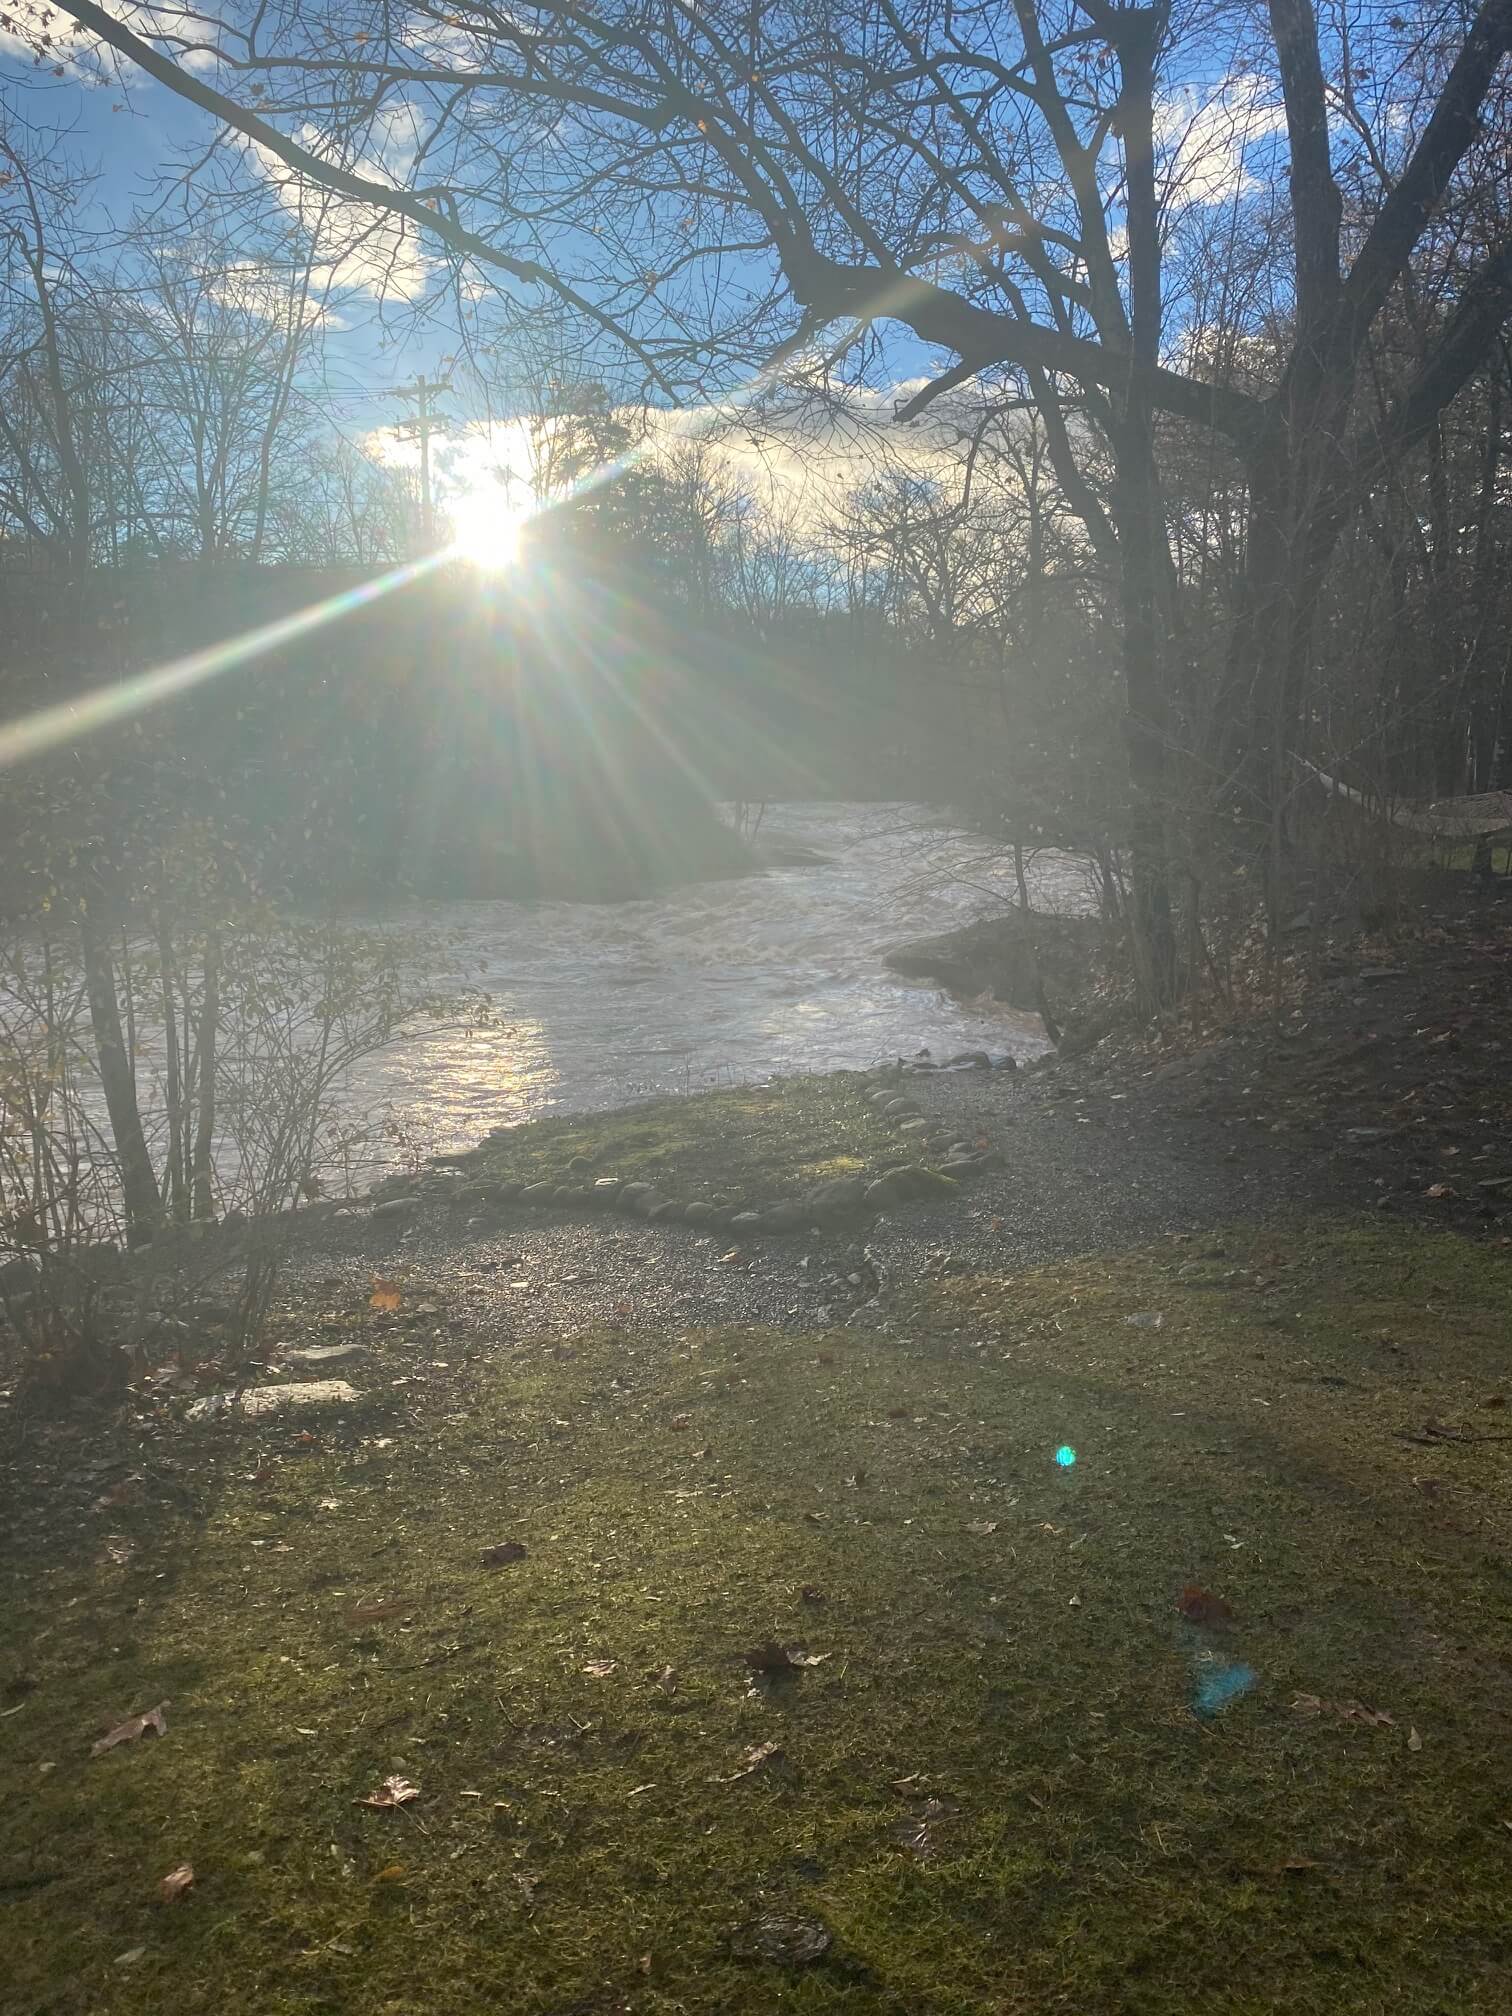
(48, 41)
(795, 466)
(1204, 138)
(366, 251)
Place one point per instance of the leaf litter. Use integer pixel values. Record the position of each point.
(176, 1882)
(785, 1941)
(151, 1723)
(757, 1756)
(1201, 1606)
(1347, 1711)
(774, 1658)
(392, 1792)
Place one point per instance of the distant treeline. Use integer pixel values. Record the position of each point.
(541, 734)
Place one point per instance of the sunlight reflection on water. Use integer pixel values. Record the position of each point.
(715, 983)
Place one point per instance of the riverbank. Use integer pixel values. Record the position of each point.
(1082, 1583)
(723, 1665)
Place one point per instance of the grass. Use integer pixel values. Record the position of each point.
(751, 1144)
(996, 1789)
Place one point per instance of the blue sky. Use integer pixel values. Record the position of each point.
(124, 134)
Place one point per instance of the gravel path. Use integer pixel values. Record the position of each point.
(1076, 1180)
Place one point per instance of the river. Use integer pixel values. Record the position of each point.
(712, 983)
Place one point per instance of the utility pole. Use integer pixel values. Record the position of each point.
(425, 423)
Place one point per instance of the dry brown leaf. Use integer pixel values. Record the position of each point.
(392, 1792)
(600, 1669)
(149, 1724)
(761, 1753)
(503, 1554)
(1441, 1190)
(175, 1883)
(127, 1492)
(774, 1658)
(1201, 1606)
(1347, 1711)
(394, 1873)
(386, 1295)
(982, 1527)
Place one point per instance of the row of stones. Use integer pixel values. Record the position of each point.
(838, 1201)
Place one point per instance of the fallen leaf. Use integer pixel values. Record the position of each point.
(503, 1554)
(127, 1492)
(394, 1873)
(175, 1883)
(386, 1295)
(1201, 1606)
(788, 1942)
(374, 1613)
(392, 1792)
(1347, 1711)
(1441, 1190)
(150, 1723)
(914, 1833)
(1414, 1741)
(982, 1527)
(774, 1658)
(600, 1669)
(762, 1753)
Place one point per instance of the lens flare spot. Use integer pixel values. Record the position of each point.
(1220, 1685)
(1065, 1456)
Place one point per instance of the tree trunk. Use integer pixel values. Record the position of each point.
(138, 1184)
(204, 1053)
(1140, 511)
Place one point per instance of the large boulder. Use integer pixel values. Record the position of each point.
(997, 956)
(841, 1197)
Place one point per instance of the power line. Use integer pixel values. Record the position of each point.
(425, 423)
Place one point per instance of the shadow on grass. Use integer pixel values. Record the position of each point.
(994, 1788)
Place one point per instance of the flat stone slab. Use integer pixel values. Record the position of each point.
(323, 1354)
(258, 1401)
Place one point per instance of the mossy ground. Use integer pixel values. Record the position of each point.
(751, 1143)
(996, 1789)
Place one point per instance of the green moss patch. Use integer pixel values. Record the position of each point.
(1017, 1777)
(751, 1144)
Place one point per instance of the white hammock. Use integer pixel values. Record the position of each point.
(1485, 816)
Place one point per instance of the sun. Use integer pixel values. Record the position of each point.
(486, 528)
